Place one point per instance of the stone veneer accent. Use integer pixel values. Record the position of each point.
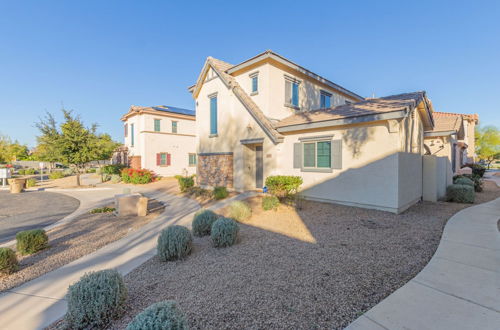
(215, 169)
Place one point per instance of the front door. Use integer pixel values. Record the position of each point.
(259, 167)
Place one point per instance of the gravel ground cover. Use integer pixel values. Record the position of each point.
(82, 236)
(316, 268)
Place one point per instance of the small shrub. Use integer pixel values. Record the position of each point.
(112, 169)
(31, 241)
(164, 315)
(96, 299)
(460, 193)
(91, 170)
(199, 192)
(203, 221)
(142, 176)
(478, 182)
(224, 232)
(115, 178)
(68, 172)
(283, 185)
(464, 180)
(103, 210)
(27, 171)
(270, 203)
(174, 242)
(185, 182)
(56, 175)
(220, 193)
(106, 177)
(31, 182)
(21, 172)
(8, 261)
(240, 211)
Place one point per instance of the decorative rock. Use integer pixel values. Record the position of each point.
(127, 204)
(142, 206)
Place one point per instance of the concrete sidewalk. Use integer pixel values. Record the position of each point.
(40, 302)
(458, 289)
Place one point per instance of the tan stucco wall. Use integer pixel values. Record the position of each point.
(148, 143)
(271, 95)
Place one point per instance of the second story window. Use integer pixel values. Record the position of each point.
(174, 127)
(132, 135)
(325, 100)
(125, 127)
(213, 115)
(291, 93)
(255, 82)
(157, 125)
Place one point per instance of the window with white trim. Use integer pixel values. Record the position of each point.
(291, 92)
(317, 154)
(254, 79)
(325, 100)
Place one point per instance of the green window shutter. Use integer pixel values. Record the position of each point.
(324, 154)
(310, 154)
(213, 115)
(174, 127)
(132, 135)
(157, 125)
(297, 155)
(337, 154)
(163, 160)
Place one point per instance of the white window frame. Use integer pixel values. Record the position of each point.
(254, 75)
(291, 81)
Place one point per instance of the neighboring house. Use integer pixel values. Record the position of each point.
(161, 139)
(269, 116)
(453, 137)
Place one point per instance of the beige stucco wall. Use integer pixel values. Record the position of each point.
(148, 143)
(271, 94)
(442, 146)
(369, 177)
(234, 124)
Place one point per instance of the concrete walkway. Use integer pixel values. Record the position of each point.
(490, 176)
(40, 302)
(458, 289)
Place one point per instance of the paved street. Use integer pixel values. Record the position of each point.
(32, 209)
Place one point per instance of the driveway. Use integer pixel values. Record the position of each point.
(30, 210)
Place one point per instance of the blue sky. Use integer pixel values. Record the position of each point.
(99, 57)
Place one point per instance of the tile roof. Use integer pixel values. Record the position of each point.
(364, 108)
(163, 108)
(444, 121)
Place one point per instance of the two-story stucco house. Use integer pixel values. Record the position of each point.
(269, 116)
(161, 139)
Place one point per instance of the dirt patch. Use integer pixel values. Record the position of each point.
(82, 236)
(316, 268)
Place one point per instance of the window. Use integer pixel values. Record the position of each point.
(131, 135)
(125, 127)
(192, 159)
(291, 93)
(157, 125)
(325, 100)
(163, 159)
(317, 154)
(255, 83)
(348, 102)
(174, 127)
(213, 115)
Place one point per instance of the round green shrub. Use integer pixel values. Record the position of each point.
(270, 203)
(460, 193)
(202, 222)
(8, 261)
(56, 175)
(31, 241)
(240, 211)
(115, 178)
(220, 193)
(464, 180)
(164, 315)
(224, 232)
(174, 242)
(96, 299)
(31, 182)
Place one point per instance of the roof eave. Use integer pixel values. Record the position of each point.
(343, 121)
